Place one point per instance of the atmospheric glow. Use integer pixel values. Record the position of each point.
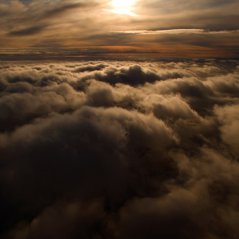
(123, 7)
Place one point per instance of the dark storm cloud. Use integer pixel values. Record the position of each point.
(119, 150)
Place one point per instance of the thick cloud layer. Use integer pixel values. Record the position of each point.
(119, 150)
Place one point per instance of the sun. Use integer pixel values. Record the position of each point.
(123, 7)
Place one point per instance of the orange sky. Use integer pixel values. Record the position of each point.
(174, 28)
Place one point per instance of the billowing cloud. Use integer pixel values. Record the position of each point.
(119, 150)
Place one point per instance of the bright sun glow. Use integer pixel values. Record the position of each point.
(125, 7)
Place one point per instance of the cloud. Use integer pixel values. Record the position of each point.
(90, 68)
(133, 75)
(119, 149)
(63, 8)
(228, 118)
(178, 29)
(194, 211)
(27, 31)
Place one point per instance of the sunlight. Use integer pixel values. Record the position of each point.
(123, 7)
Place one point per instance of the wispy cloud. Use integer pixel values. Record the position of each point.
(80, 24)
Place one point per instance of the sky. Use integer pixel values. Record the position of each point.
(173, 28)
(119, 119)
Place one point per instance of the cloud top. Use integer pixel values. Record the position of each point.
(119, 150)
